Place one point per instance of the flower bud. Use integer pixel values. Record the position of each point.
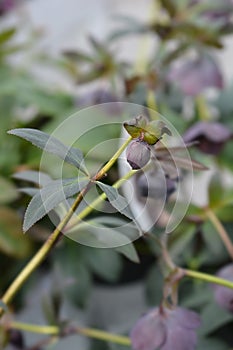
(138, 154)
(224, 295)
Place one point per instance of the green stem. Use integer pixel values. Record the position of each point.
(202, 108)
(110, 163)
(101, 335)
(208, 278)
(94, 204)
(40, 255)
(55, 235)
(89, 332)
(49, 330)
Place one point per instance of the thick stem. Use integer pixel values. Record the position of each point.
(55, 235)
(221, 231)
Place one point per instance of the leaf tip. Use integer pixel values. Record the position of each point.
(10, 132)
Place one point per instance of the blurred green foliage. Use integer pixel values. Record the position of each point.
(180, 28)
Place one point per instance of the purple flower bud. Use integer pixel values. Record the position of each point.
(166, 329)
(194, 75)
(138, 154)
(224, 295)
(211, 136)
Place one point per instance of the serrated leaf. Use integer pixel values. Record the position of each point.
(49, 197)
(37, 177)
(52, 145)
(31, 191)
(118, 202)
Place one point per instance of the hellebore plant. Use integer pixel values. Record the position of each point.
(165, 327)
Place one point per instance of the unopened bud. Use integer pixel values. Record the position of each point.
(138, 154)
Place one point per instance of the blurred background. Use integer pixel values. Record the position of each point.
(58, 57)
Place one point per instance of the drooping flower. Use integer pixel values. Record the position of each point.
(166, 329)
(195, 75)
(224, 295)
(211, 136)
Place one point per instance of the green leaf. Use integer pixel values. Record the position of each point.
(49, 197)
(210, 322)
(8, 191)
(30, 191)
(211, 344)
(225, 213)
(154, 285)
(6, 35)
(106, 263)
(52, 145)
(129, 252)
(12, 242)
(214, 250)
(100, 49)
(78, 56)
(96, 233)
(72, 263)
(37, 177)
(169, 6)
(118, 202)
